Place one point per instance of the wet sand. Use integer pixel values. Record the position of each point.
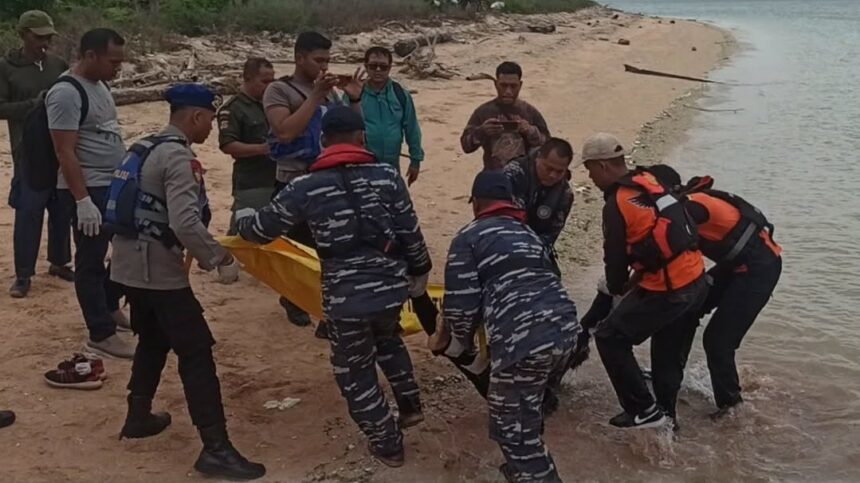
(579, 84)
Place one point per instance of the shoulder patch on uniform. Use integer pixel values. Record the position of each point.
(543, 212)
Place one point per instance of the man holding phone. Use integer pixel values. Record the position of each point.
(294, 107)
(506, 127)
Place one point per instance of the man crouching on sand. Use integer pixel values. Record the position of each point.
(373, 256)
(499, 272)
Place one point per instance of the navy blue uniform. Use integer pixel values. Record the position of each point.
(499, 274)
(368, 239)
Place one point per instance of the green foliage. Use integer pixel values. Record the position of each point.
(10, 10)
(192, 17)
(545, 6)
(147, 24)
(269, 15)
(8, 38)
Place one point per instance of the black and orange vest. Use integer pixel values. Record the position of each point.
(661, 237)
(732, 222)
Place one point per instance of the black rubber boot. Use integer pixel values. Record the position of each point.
(393, 460)
(296, 315)
(550, 402)
(7, 418)
(220, 459)
(322, 330)
(140, 421)
(410, 412)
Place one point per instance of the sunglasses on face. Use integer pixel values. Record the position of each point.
(379, 67)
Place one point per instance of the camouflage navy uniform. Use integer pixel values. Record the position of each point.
(499, 273)
(547, 208)
(368, 240)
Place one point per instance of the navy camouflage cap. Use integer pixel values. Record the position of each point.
(492, 185)
(342, 119)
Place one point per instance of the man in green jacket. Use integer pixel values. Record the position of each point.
(25, 75)
(389, 115)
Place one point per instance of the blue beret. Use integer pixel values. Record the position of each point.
(342, 119)
(492, 185)
(192, 95)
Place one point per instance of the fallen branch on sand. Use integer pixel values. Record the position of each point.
(406, 47)
(153, 93)
(421, 62)
(637, 70)
(712, 110)
(481, 76)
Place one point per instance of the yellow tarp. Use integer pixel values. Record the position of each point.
(293, 270)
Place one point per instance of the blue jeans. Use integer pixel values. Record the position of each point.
(30, 206)
(97, 295)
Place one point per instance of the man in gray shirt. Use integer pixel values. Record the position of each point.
(294, 107)
(88, 154)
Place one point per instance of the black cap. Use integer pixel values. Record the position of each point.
(342, 119)
(492, 185)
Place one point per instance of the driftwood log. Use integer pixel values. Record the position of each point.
(541, 29)
(407, 46)
(637, 70)
(154, 93)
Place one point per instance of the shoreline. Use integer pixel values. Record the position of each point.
(574, 78)
(655, 140)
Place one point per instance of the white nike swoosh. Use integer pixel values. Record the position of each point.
(638, 421)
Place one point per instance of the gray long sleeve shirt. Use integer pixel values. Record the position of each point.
(148, 263)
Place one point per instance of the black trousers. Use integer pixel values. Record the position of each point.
(738, 294)
(670, 320)
(166, 320)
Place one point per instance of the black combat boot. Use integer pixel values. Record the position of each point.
(7, 418)
(220, 459)
(410, 412)
(140, 421)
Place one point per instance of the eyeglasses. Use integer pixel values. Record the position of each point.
(379, 67)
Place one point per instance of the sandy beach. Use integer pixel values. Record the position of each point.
(578, 82)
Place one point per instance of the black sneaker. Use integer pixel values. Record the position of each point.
(725, 410)
(62, 272)
(652, 418)
(20, 288)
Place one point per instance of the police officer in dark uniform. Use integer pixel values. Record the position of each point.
(499, 274)
(150, 239)
(541, 186)
(373, 257)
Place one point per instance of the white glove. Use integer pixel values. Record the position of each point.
(89, 217)
(228, 273)
(418, 285)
